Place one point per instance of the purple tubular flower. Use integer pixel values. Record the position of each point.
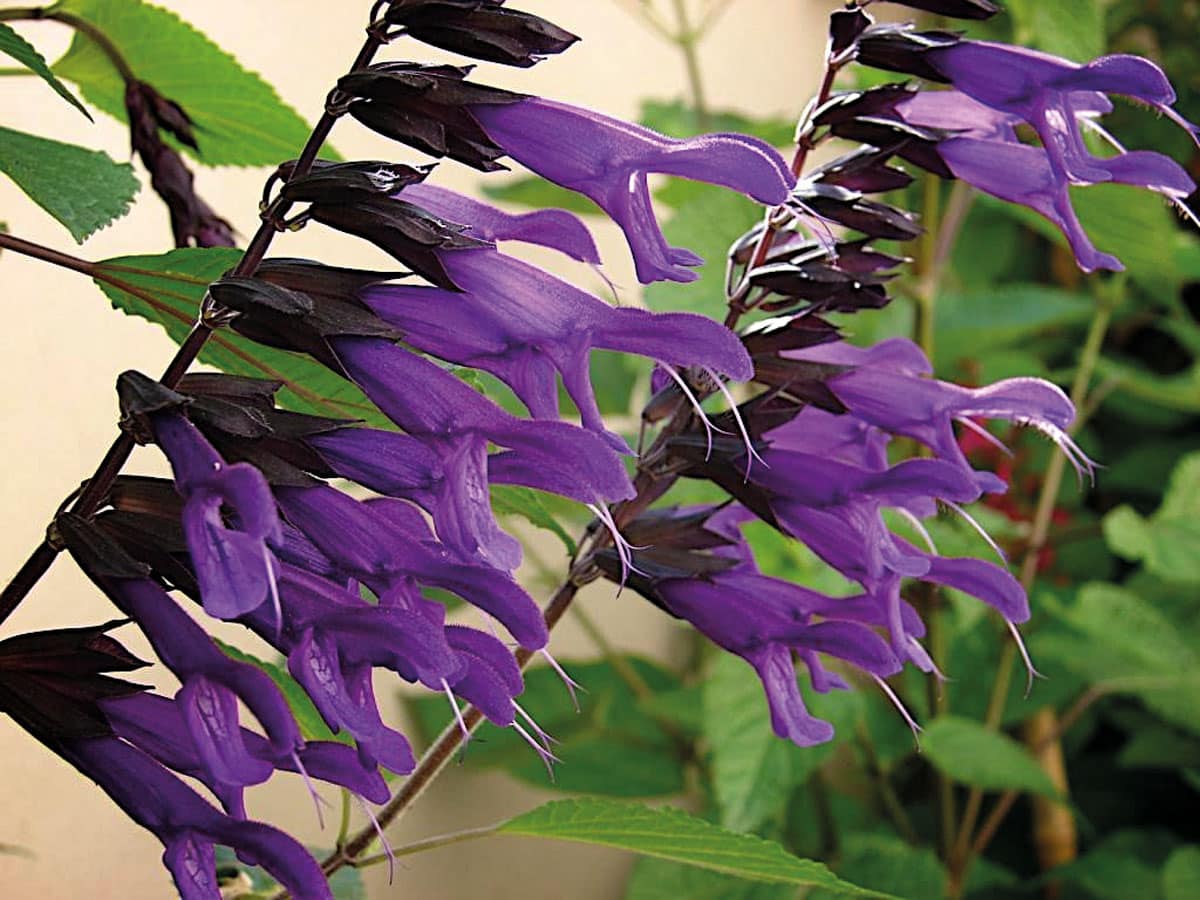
(189, 826)
(553, 228)
(374, 548)
(523, 325)
(457, 423)
(212, 683)
(607, 160)
(492, 678)
(998, 87)
(885, 388)
(234, 567)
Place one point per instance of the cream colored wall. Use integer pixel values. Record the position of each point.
(61, 348)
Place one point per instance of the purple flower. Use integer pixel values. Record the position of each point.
(189, 826)
(457, 423)
(525, 326)
(607, 160)
(234, 566)
(998, 87)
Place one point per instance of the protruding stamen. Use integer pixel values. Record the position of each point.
(919, 527)
(891, 695)
(623, 547)
(1074, 453)
(971, 520)
(273, 586)
(543, 737)
(548, 758)
(709, 427)
(462, 723)
(383, 841)
(974, 426)
(751, 453)
(1030, 672)
(317, 799)
(570, 682)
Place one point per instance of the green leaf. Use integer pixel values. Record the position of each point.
(166, 289)
(1003, 316)
(312, 726)
(677, 119)
(532, 191)
(1124, 865)
(1181, 875)
(1168, 542)
(971, 754)
(657, 879)
(239, 119)
(27, 55)
(672, 834)
(1070, 28)
(610, 746)
(886, 863)
(751, 766)
(512, 500)
(84, 189)
(706, 223)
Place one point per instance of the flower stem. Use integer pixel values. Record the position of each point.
(97, 487)
(441, 840)
(964, 849)
(79, 24)
(687, 39)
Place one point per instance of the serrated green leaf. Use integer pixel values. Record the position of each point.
(971, 754)
(610, 746)
(84, 189)
(312, 726)
(239, 119)
(1070, 28)
(1181, 874)
(672, 834)
(166, 289)
(1168, 542)
(657, 879)
(513, 500)
(27, 55)
(886, 863)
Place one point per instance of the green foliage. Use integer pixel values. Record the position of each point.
(239, 119)
(512, 500)
(657, 879)
(1168, 542)
(537, 193)
(1124, 865)
(1070, 28)
(888, 864)
(27, 55)
(84, 189)
(1181, 874)
(167, 289)
(671, 834)
(615, 747)
(971, 754)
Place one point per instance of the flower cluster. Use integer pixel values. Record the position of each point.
(257, 528)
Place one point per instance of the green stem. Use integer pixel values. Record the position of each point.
(344, 824)
(964, 848)
(79, 24)
(442, 840)
(687, 39)
(887, 794)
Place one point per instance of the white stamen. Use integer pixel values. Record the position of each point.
(1075, 456)
(545, 739)
(1030, 672)
(570, 682)
(751, 453)
(709, 427)
(891, 695)
(273, 586)
(918, 527)
(974, 426)
(383, 841)
(317, 799)
(547, 757)
(979, 528)
(462, 724)
(623, 547)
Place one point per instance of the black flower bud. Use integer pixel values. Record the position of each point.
(482, 29)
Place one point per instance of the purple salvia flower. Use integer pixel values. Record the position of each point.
(189, 826)
(234, 566)
(524, 325)
(1057, 98)
(458, 423)
(377, 549)
(608, 160)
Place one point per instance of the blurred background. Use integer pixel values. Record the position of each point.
(1117, 618)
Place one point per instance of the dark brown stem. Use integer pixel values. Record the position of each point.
(98, 485)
